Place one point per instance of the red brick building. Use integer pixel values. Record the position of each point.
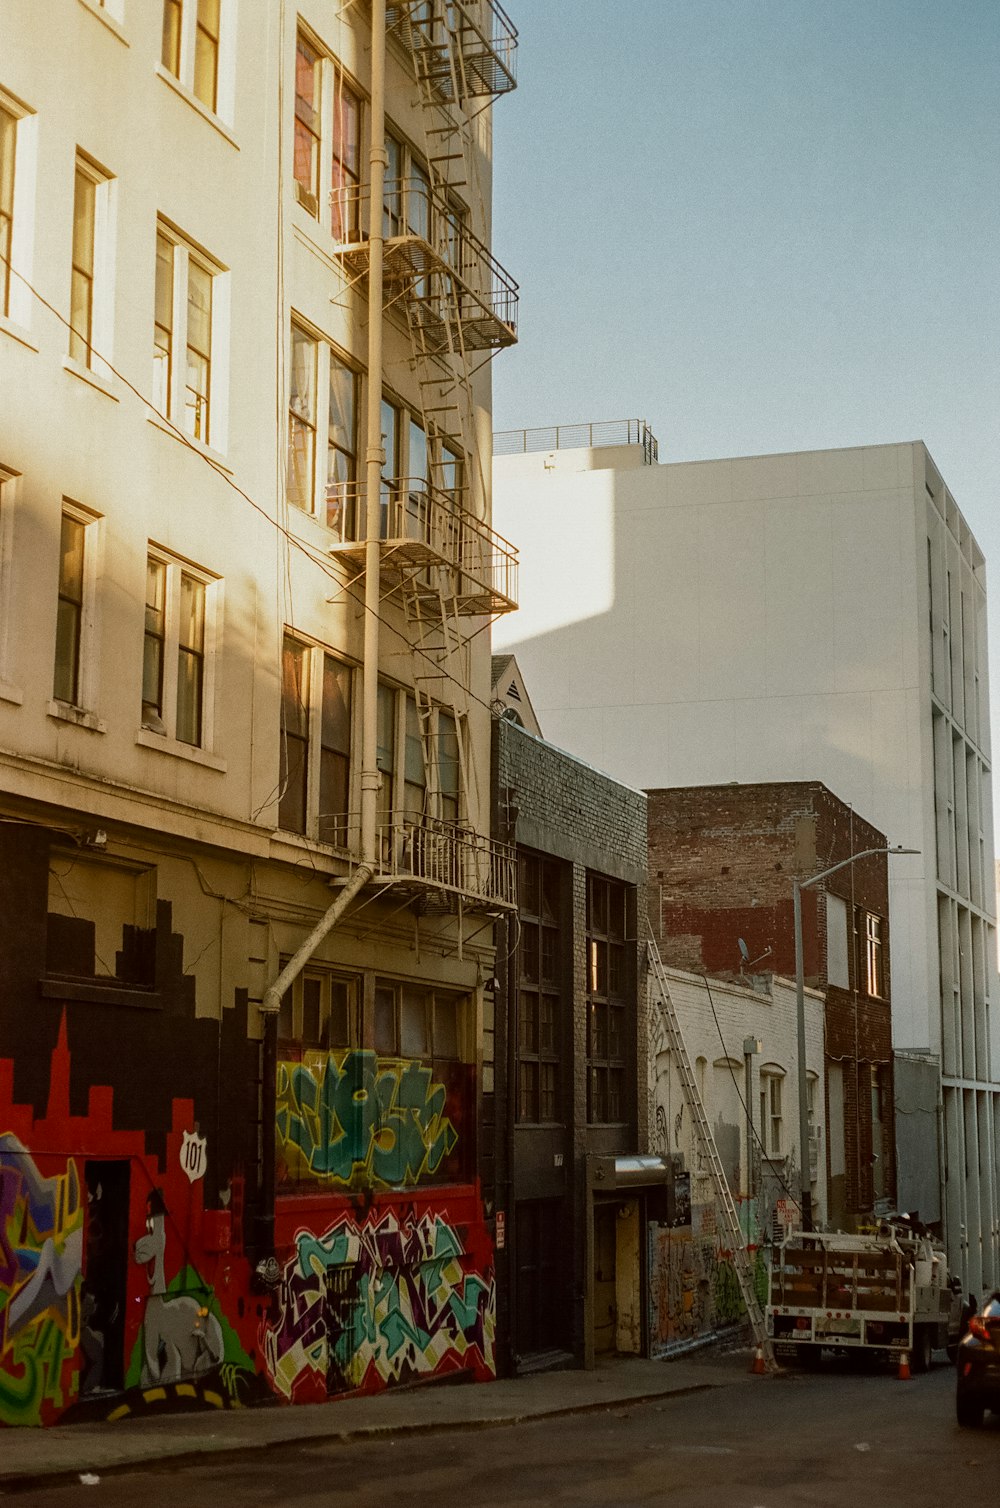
(721, 863)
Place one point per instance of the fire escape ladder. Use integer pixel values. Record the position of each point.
(743, 1265)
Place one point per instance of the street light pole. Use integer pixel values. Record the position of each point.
(800, 1015)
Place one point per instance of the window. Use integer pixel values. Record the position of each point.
(606, 999)
(335, 752)
(190, 46)
(76, 667)
(90, 274)
(316, 743)
(294, 772)
(770, 1114)
(409, 208)
(302, 420)
(874, 959)
(327, 140)
(412, 1021)
(414, 766)
(417, 782)
(385, 755)
(175, 650)
(342, 451)
(18, 159)
(69, 617)
(837, 943)
(314, 367)
(101, 918)
(185, 389)
(8, 138)
(345, 167)
(206, 53)
(541, 982)
(321, 1011)
(308, 96)
(448, 763)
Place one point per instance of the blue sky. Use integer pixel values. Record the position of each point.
(760, 224)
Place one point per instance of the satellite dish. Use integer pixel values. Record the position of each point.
(744, 950)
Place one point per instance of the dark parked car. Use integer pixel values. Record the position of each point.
(978, 1365)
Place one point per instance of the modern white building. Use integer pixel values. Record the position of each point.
(247, 305)
(819, 615)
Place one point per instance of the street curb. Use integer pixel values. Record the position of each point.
(22, 1482)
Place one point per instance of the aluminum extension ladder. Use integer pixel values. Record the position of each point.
(742, 1264)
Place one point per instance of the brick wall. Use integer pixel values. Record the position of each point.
(721, 864)
(552, 804)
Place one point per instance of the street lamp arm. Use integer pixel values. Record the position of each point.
(866, 853)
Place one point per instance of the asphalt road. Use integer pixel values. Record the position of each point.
(835, 1438)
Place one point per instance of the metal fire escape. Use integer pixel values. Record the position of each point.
(438, 556)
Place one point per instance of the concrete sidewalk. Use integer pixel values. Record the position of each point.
(28, 1457)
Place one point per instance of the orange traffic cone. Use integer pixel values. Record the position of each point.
(759, 1368)
(904, 1367)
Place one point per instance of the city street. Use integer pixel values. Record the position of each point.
(839, 1437)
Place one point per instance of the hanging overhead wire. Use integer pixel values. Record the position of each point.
(324, 563)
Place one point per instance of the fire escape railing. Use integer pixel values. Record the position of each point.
(423, 525)
(480, 35)
(445, 273)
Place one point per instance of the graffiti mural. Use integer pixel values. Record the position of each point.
(374, 1301)
(181, 1339)
(41, 1251)
(356, 1120)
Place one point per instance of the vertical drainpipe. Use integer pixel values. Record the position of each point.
(375, 459)
(374, 454)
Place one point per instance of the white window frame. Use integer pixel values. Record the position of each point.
(184, 253)
(432, 786)
(326, 354)
(165, 736)
(771, 1095)
(875, 956)
(82, 711)
(225, 75)
(17, 317)
(329, 68)
(315, 653)
(102, 319)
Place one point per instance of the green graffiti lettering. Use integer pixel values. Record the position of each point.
(362, 1119)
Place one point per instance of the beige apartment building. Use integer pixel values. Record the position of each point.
(247, 309)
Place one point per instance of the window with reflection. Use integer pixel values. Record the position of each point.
(541, 985)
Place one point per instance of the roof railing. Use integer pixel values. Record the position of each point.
(590, 436)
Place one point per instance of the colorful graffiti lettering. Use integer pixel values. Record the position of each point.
(366, 1304)
(41, 1253)
(360, 1119)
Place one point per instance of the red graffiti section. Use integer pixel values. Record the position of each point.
(121, 1293)
(381, 1294)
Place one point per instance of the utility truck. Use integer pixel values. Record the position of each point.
(883, 1293)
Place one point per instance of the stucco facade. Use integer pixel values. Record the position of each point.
(185, 651)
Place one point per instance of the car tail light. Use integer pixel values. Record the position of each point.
(980, 1330)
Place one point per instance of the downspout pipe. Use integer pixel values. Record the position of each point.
(271, 1003)
(375, 452)
(269, 1007)
(370, 778)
